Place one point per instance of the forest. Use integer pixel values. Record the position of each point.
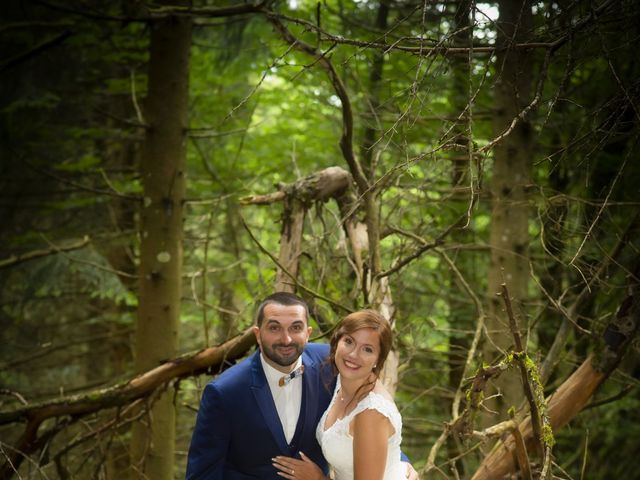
(469, 169)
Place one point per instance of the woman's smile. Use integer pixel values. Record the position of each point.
(357, 353)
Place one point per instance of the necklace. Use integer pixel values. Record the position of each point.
(342, 398)
(342, 408)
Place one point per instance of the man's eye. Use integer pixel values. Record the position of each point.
(274, 329)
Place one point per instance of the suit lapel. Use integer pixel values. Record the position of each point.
(309, 407)
(266, 405)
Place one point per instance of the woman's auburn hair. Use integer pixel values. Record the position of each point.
(357, 321)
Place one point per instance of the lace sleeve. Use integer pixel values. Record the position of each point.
(375, 401)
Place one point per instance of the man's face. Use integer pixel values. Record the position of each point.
(282, 335)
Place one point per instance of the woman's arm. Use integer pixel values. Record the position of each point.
(371, 432)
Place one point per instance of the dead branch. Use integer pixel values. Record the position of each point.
(346, 141)
(569, 314)
(509, 427)
(212, 360)
(267, 199)
(293, 280)
(319, 186)
(570, 398)
(17, 259)
(41, 47)
(521, 359)
(298, 197)
(425, 246)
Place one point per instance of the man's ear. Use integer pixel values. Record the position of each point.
(256, 332)
(309, 330)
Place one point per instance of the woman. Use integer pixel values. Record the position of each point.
(360, 432)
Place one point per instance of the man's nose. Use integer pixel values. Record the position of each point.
(286, 336)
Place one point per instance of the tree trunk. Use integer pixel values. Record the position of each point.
(121, 258)
(317, 187)
(462, 316)
(290, 244)
(163, 177)
(510, 212)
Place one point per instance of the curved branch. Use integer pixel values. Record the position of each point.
(212, 360)
(423, 248)
(346, 141)
(571, 397)
(25, 257)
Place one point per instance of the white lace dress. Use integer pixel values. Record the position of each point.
(337, 443)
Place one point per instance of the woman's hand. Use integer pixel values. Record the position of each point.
(292, 468)
(411, 472)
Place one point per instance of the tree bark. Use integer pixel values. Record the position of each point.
(163, 177)
(297, 197)
(509, 234)
(290, 244)
(461, 318)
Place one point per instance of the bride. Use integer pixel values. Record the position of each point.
(360, 432)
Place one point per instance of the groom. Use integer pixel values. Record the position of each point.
(267, 405)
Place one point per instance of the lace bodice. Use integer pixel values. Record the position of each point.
(337, 443)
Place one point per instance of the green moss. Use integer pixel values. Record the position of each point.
(547, 435)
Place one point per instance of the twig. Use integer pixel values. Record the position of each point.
(286, 272)
(346, 141)
(24, 56)
(604, 203)
(78, 185)
(134, 100)
(11, 393)
(462, 426)
(563, 332)
(52, 250)
(521, 450)
(120, 273)
(520, 358)
(455, 406)
(423, 248)
(583, 469)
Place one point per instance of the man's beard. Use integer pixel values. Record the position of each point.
(284, 361)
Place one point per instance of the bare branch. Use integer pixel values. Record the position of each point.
(52, 250)
(346, 141)
(439, 240)
(212, 359)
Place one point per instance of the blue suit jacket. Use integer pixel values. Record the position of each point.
(238, 431)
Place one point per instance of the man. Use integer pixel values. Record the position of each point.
(267, 405)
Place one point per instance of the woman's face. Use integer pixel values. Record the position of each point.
(357, 353)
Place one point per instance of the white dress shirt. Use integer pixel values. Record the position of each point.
(287, 398)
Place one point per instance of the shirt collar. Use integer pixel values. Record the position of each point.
(273, 375)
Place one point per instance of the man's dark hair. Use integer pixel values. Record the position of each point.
(281, 298)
